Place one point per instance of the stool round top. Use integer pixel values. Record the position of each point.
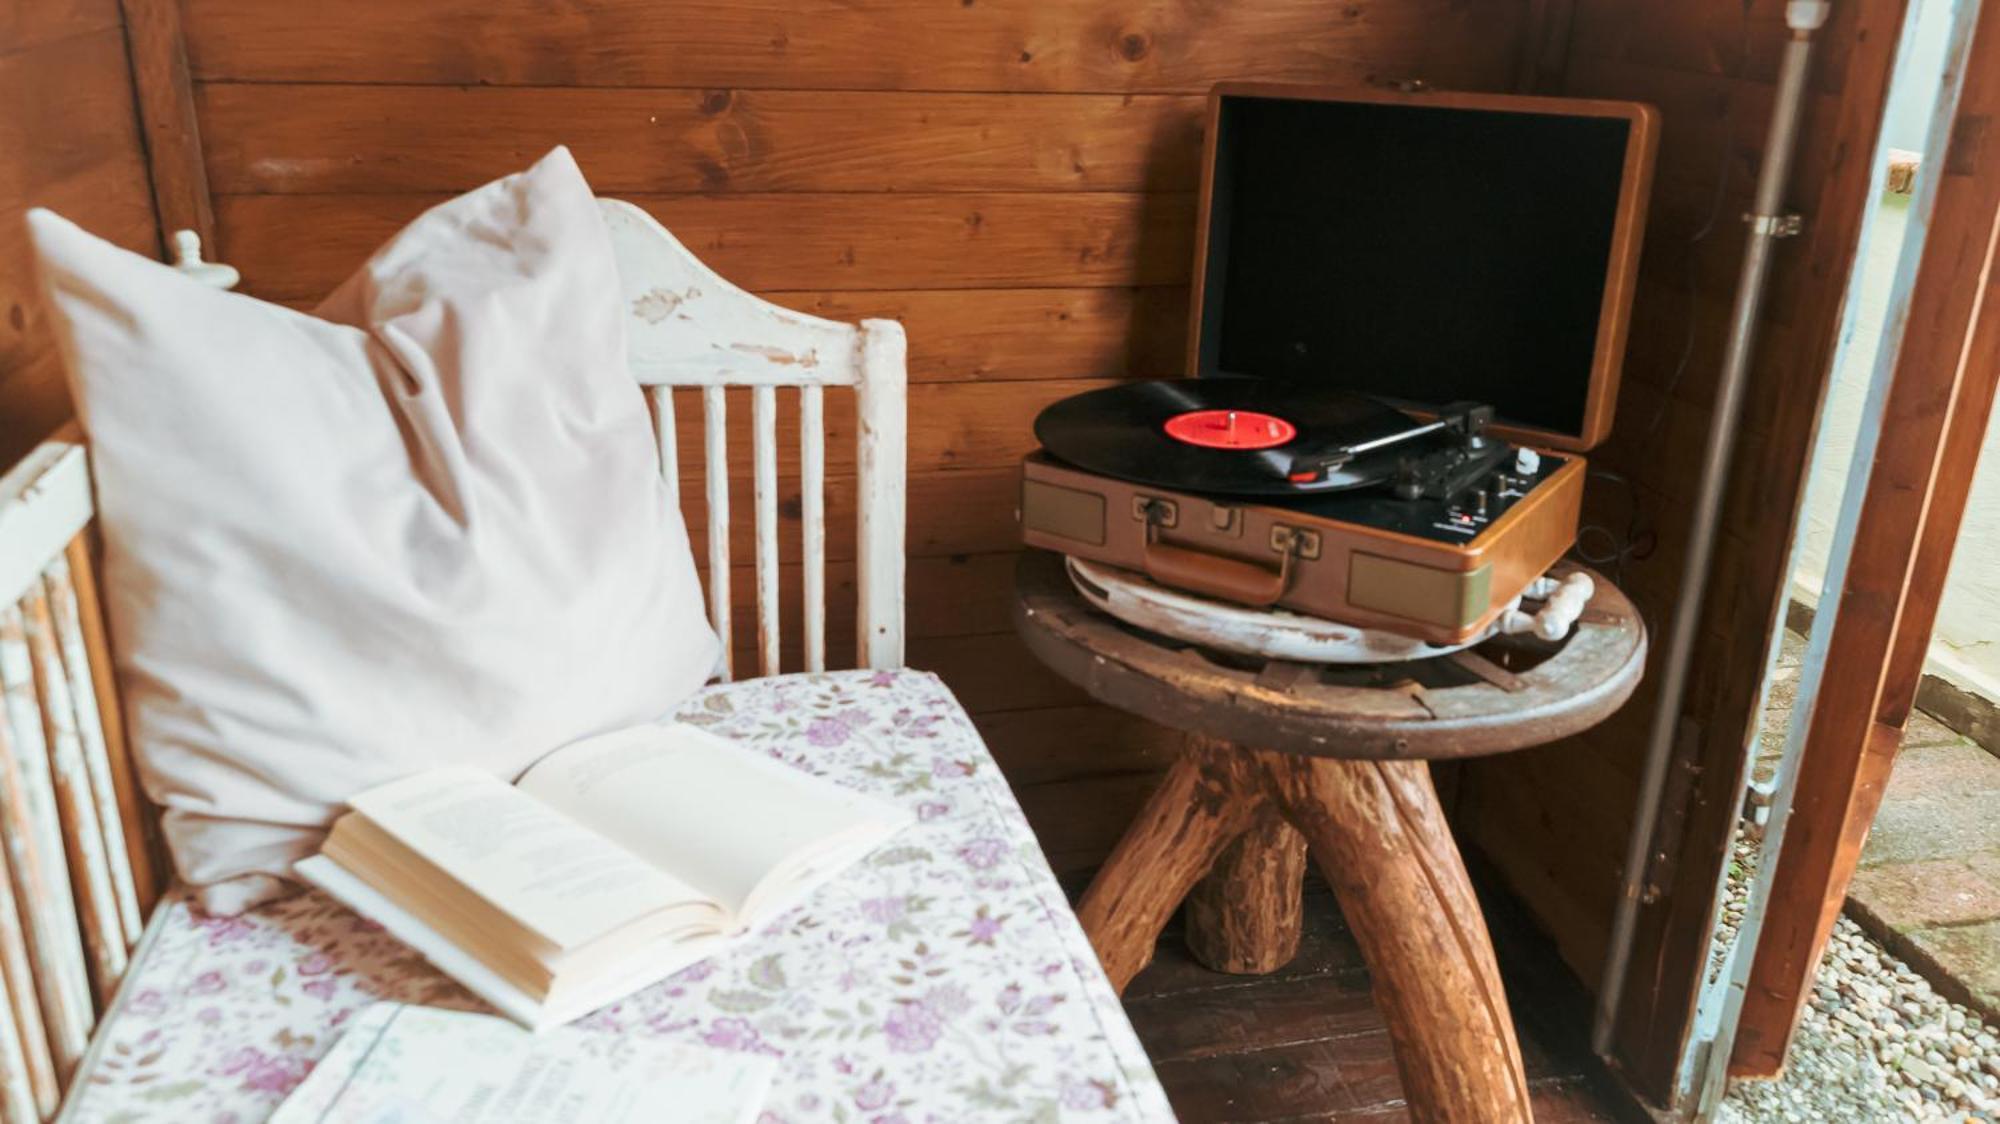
(1508, 693)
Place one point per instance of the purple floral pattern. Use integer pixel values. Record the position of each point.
(944, 980)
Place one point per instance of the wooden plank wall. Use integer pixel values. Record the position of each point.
(1555, 820)
(70, 141)
(1013, 179)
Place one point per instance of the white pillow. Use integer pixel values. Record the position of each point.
(422, 527)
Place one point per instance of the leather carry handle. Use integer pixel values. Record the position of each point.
(1216, 576)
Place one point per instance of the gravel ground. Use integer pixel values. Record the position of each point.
(1876, 1042)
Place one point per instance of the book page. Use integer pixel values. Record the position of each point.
(563, 881)
(643, 966)
(721, 816)
(395, 1064)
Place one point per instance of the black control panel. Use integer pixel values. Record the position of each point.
(1458, 520)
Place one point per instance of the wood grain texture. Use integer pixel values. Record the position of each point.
(784, 241)
(1933, 420)
(1209, 796)
(1243, 917)
(1381, 840)
(165, 96)
(303, 139)
(69, 140)
(1023, 334)
(1031, 45)
(25, 26)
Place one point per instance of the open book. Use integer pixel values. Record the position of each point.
(395, 1064)
(612, 863)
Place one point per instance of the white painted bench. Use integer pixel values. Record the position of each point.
(946, 977)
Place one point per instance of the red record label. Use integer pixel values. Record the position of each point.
(1230, 429)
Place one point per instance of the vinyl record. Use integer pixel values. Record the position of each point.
(1231, 436)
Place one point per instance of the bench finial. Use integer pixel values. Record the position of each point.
(187, 259)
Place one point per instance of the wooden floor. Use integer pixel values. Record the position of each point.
(1306, 1044)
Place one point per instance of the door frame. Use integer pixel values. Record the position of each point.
(1930, 402)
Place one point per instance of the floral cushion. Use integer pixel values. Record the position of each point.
(944, 979)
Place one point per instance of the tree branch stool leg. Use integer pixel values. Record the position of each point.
(1245, 916)
(1379, 836)
(1210, 796)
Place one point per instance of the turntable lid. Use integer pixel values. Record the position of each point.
(1426, 248)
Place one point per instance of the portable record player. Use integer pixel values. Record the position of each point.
(1409, 318)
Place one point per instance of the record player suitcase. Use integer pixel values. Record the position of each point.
(1445, 589)
(1488, 255)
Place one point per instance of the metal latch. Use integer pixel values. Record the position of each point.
(1156, 512)
(1786, 225)
(1295, 540)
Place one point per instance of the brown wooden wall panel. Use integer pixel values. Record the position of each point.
(28, 25)
(1743, 38)
(1024, 333)
(69, 141)
(783, 241)
(1012, 179)
(373, 139)
(1030, 45)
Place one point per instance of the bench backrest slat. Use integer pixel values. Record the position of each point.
(691, 329)
(74, 837)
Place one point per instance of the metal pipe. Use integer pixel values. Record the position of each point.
(1766, 226)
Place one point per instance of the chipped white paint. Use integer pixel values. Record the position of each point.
(28, 1087)
(31, 828)
(661, 401)
(66, 616)
(812, 516)
(44, 502)
(883, 437)
(76, 805)
(691, 328)
(764, 446)
(715, 438)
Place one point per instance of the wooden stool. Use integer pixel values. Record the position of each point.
(1283, 757)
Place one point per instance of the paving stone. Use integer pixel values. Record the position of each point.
(1922, 729)
(1985, 864)
(1912, 830)
(1959, 772)
(1923, 894)
(1970, 955)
